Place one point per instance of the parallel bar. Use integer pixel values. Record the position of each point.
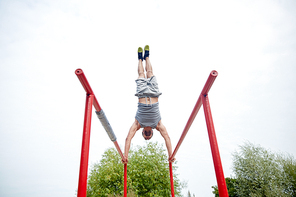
(118, 149)
(87, 87)
(125, 181)
(188, 125)
(214, 147)
(107, 126)
(209, 82)
(172, 179)
(83, 81)
(196, 108)
(82, 184)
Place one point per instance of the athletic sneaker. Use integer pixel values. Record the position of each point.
(140, 53)
(146, 52)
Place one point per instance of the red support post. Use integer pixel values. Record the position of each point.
(172, 179)
(214, 147)
(82, 184)
(125, 181)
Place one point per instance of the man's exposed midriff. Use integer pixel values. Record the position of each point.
(153, 100)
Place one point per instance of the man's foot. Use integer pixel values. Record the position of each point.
(140, 53)
(146, 52)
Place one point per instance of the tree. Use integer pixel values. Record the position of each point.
(148, 173)
(231, 188)
(289, 167)
(259, 172)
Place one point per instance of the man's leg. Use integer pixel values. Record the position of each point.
(148, 67)
(141, 70)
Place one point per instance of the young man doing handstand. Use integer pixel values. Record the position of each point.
(148, 115)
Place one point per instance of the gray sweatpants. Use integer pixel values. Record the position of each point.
(147, 87)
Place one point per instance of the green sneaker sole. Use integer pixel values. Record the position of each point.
(147, 48)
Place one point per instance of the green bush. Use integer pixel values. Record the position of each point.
(147, 173)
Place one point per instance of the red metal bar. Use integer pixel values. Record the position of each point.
(214, 148)
(172, 179)
(125, 181)
(82, 184)
(87, 87)
(196, 108)
(118, 149)
(88, 90)
(209, 82)
(188, 125)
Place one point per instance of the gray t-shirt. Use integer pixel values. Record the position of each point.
(148, 115)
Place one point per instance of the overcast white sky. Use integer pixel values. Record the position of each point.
(252, 45)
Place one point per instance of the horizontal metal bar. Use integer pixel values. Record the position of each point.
(105, 123)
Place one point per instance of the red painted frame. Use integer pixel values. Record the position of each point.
(202, 100)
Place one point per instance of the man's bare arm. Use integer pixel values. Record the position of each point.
(161, 128)
(134, 128)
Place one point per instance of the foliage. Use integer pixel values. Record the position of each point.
(289, 167)
(130, 193)
(148, 173)
(259, 172)
(231, 188)
(106, 176)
